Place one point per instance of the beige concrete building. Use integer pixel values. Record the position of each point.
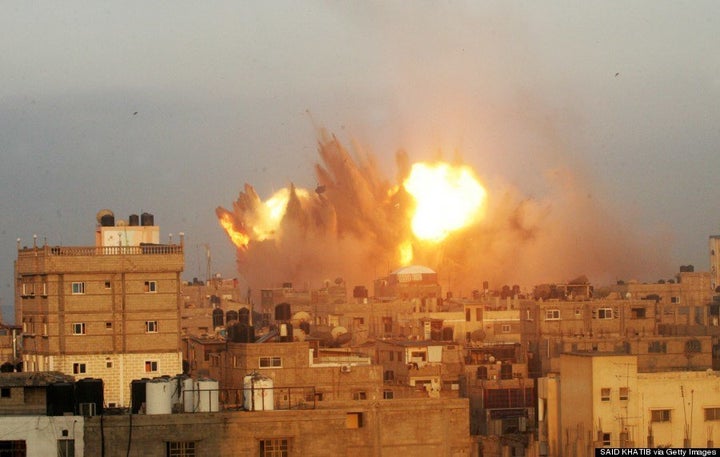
(109, 311)
(602, 400)
(355, 428)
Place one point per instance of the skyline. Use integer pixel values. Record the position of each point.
(169, 109)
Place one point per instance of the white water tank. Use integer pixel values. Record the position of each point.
(258, 393)
(158, 396)
(188, 395)
(206, 392)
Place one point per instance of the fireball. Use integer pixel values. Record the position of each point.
(447, 198)
(239, 238)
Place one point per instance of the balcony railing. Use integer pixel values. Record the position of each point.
(78, 251)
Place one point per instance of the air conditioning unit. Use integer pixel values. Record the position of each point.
(345, 369)
(87, 409)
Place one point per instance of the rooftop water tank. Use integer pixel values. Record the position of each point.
(89, 396)
(258, 393)
(60, 398)
(147, 219)
(137, 394)
(207, 391)
(188, 395)
(158, 396)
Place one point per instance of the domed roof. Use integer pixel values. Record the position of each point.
(413, 270)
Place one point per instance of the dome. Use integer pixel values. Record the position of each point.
(414, 270)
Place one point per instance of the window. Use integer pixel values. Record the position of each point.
(107, 284)
(28, 289)
(66, 448)
(606, 439)
(151, 366)
(391, 355)
(5, 392)
(389, 375)
(388, 395)
(108, 325)
(108, 363)
(481, 372)
(660, 415)
(637, 313)
(151, 286)
(478, 314)
(605, 394)
(552, 314)
(79, 368)
(693, 346)
(360, 395)
(578, 312)
(674, 299)
(151, 326)
(278, 447)
(78, 328)
(712, 414)
(180, 449)
(657, 346)
(624, 391)
(15, 448)
(353, 420)
(78, 288)
(270, 362)
(505, 328)
(605, 313)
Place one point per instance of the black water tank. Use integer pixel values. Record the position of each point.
(241, 333)
(244, 316)
(282, 312)
(360, 292)
(137, 394)
(60, 398)
(134, 220)
(89, 391)
(147, 219)
(107, 220)
(231, 316)
(217, 317)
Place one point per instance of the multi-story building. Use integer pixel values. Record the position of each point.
(602, 400)
(9, 348)
(109, 311)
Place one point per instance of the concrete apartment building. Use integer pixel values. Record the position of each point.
(602, 400)
(109, 311)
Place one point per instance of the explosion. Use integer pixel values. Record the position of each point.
(447, 198)
(358, 226)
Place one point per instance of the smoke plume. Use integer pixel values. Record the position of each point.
(355, 222)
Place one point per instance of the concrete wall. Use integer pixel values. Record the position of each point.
(389, 427)
(41, 433)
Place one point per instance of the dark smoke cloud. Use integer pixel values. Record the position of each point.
(352, 224)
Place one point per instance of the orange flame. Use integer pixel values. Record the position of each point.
(238, 238)
(447, 198)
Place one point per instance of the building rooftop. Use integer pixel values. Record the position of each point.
(33, 379)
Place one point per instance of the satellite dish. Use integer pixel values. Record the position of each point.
(102, 213)
(301, 316)
(337, 331)
(121, 223)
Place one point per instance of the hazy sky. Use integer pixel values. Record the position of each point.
(170, 107)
